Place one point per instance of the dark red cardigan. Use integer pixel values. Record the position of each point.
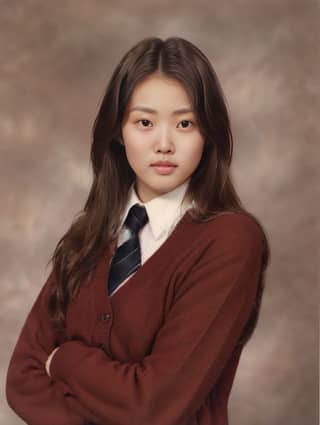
(161, 351)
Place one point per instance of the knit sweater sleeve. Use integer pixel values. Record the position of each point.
(30, 392)
(211, 307)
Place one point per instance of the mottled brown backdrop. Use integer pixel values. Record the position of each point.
(56, 59)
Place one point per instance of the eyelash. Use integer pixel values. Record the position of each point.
(145, 119)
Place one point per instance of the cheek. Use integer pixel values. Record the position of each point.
(136, 154)
(195, 152)
(132, 143)
(134, 149)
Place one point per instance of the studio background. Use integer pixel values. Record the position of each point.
(57, 58)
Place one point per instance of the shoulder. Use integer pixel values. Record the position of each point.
(237, 230)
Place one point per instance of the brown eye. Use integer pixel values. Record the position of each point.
(144, 121)
(186, 122)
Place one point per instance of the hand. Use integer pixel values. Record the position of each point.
(49, 361)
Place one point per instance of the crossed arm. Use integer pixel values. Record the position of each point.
(212, 305)
(167, 387)
(30, 392)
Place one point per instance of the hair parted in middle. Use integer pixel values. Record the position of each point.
(210, 185)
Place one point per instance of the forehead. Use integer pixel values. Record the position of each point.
(159, 92)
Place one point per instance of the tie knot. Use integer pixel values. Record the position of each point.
(136, 218)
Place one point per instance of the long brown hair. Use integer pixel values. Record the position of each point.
(96, 226)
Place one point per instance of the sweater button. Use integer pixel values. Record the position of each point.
(105, 316)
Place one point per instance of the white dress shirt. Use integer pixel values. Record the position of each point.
(164, 212)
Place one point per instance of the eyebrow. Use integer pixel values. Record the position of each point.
(153, 111)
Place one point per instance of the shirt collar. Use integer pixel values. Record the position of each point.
(162, 210)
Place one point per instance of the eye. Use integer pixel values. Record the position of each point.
(144, 121)
(186, 121)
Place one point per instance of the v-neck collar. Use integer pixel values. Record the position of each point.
(166, 249)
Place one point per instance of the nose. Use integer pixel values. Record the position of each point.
(164, 142)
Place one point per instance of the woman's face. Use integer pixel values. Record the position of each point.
(155, 129)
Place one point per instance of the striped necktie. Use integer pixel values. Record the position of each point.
(127, 258)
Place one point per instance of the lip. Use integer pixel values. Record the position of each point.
(164, 169)
(163, 164)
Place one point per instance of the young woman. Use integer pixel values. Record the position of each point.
(156, 287)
